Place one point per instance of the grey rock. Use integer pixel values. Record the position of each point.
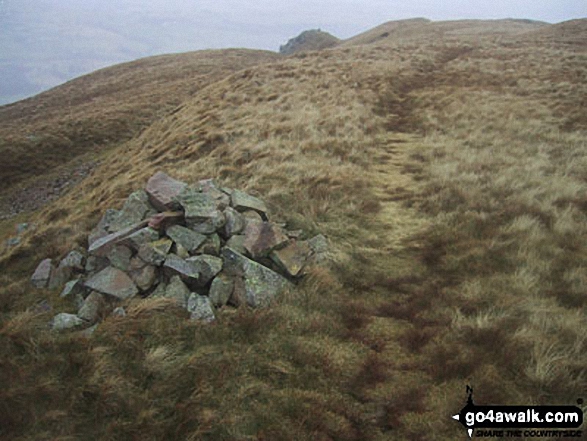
(135, 209)
(92, 308)
(263, 237)
(200, 308)
(102, 229)
(261, 283)
(221, 289)
(318, 244)
(21, 228)
(13, 241)
(64, 321)
(181, 251)
(73, 288)
(160, 289)
(209, 186)
(119, 257)
(144, 277)
(177, 290)
(207, 267)
(215, 223)
(235, 223)
(210, 246)
(155, 252)
(242, 201)
(175, 265)
(198, 207)
(59, 277)
(43, 273)
(141, 237)
(185, 237)
(114, 282)
(292, 257)
(163, 191)
(252, 215)
(95, 264)
(237, 243)
(74, 260)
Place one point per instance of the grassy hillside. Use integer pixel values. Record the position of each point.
(450, 177)
(99, 110)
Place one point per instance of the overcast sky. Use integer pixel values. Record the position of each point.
(46, 42)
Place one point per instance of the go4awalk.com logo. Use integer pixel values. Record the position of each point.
(520, 421)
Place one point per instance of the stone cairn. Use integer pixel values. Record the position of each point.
(200, 245)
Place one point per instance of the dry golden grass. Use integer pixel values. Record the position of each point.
(450, 180)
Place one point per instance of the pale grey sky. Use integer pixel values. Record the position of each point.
(46, 42)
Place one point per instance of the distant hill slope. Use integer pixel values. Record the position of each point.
(106, 107)
(423, 29)
(313, 39)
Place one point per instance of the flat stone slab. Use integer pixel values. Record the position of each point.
(263, 237)
(185, 237)
(198, 207)
(261, 283)
(241, 201)
(163, 191)
(292, 257)
(200, 308)
(114, 282)
(43, 274)
(102, 246)
(188, 271)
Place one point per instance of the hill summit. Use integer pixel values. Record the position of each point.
(313, 39)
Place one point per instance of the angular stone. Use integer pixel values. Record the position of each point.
(102, 246)
(59, 277)
(43, 273)
(241, 201)
(185, 237)
(318, 244)
(135, 209)
(113, 282)
(292, 257)
(211, 246)
(235, 222)
(178, 291)
(75, 260)
(251, 215)
(181, 251)
(188, 271)
(163, 190)
(207, 267)
(209, 186)
(198, 207)
(119, 257)
(237, 243)
(73, 288)
(200, 308)
(95, 264)
(261, 283)
(263, 237)
(64, 321)
(102, 229)
(141, 237)
(159, 290)
(209, 226)
(155, 252)
(144, 277)
(92, 308)
(221, 289)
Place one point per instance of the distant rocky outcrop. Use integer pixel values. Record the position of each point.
(201, 245)
(313, 39)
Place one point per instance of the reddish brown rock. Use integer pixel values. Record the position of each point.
(162, 190)
(113, 282)
(263, 237)
(292, 257)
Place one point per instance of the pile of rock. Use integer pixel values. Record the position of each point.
(201, 245)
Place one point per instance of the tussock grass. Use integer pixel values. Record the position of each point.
(452, 190)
